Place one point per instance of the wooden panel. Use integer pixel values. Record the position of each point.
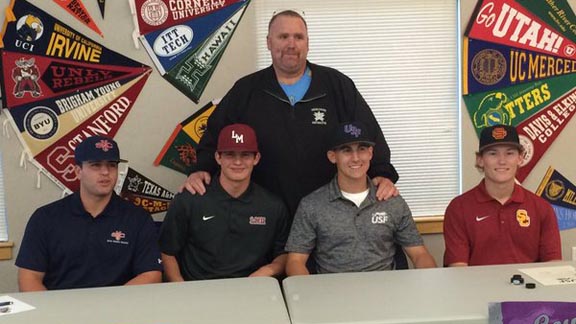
(6, 250)
(430, 224)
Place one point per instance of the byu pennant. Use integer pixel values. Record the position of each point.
(58, 159)
(77, 9)
(507, 22)
(179, 152)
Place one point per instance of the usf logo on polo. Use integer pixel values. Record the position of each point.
(379, 218)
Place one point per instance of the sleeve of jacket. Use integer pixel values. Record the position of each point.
(224, 114)
(380, 164)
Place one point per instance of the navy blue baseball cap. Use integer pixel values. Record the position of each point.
(97, 148)
(348, 133)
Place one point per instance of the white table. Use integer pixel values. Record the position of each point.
(228, 301)
(443, 295)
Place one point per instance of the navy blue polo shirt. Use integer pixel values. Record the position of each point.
(76, 250)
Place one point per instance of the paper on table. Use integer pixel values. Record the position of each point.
(549, 276)
(16, 306)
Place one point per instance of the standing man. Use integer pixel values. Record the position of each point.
(344, 223)
(498, 221)
(291, 105)
(236, 229)
(92, 238)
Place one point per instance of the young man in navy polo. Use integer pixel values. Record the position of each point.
(343, 222)
(92, 238)
(236, 229)
(499, 221)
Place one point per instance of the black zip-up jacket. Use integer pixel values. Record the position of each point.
(292, 138)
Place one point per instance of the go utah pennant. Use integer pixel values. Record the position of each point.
(507, 22)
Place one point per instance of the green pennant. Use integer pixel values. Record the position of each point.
(556, 13)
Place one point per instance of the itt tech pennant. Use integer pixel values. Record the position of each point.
(61, 87)
(186, 40)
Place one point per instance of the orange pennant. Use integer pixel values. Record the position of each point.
(77, 9)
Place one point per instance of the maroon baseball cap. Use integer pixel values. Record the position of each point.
(237, 138)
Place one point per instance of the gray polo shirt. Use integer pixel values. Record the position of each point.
(347, 238)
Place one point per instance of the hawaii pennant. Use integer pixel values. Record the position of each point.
(179, 152)
(77, 9)
(192, 73)
(508, 23)
(152, 15)
(145, 193)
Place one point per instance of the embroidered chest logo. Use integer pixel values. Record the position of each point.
(257, 220)
(379, 218)
(319, 116)
(119, 237)
(523, 218)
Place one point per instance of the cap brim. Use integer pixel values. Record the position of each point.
(517, 145)
(348, 143)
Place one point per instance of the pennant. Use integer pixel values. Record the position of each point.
(557, 190)
(179, 152)
(539, 131)
(192, 73)
(32, 31)
(531, 312)
(61, 87)
(77, 9)
(168, 46)
(491, 66)
(58, 158)
(508, 23)
(102, 7)
(152, 15)
(145, 193)
(513, 105)
(30, 78)
(556, 13)
(566, 217)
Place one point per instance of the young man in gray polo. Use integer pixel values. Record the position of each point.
(344, 224)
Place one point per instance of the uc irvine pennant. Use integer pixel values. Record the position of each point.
(77, 9)
(491, 66)
(513, 105)
(557, 190)
(168, 46)
(34, 31)
(507, 22)
(152, 15)
(143, 192)
(192, 73)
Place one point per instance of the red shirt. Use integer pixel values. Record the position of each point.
(478, 230)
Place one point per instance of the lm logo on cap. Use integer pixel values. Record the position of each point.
(239, 138)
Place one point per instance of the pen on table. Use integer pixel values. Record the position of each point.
(8, 303)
